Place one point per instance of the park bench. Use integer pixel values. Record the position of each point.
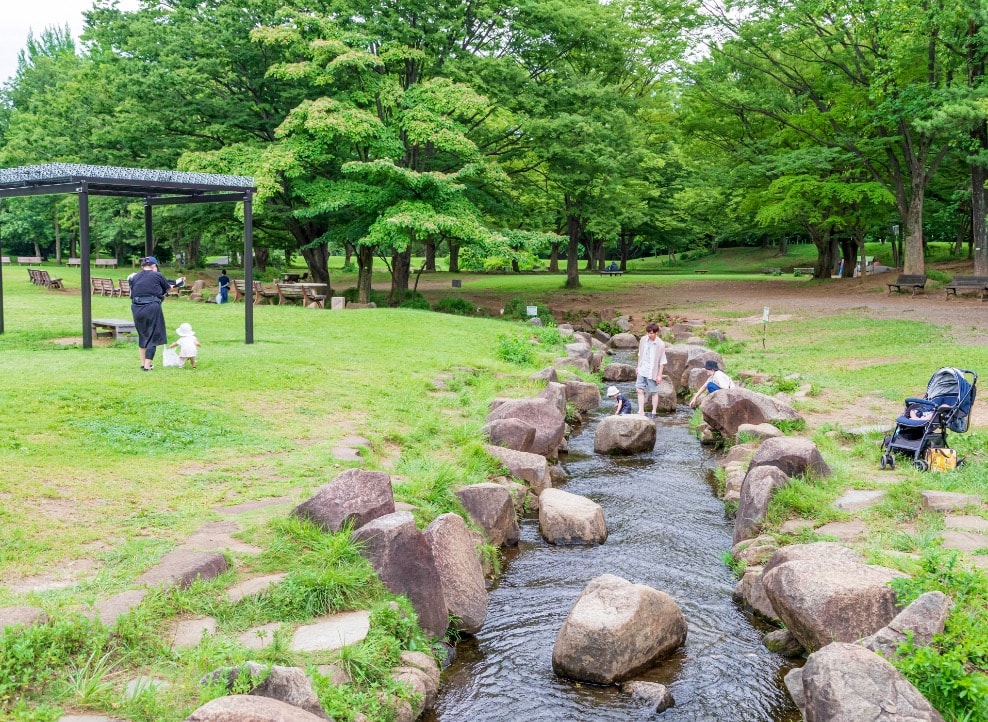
(124, 289)
(915, 282)
(700, 270)
(290, 293)
(606, 272)
(312, 299)
(28, 260)
(803, 271)
(772, 271)
(960, 284)
(115, 328)
(261, 294)
(105, 263)
(104, 287)
(42, 278)
(5, 260)
(74, 262)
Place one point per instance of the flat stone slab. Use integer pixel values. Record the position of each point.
(181, 567)
(345, 453)
(217, 536)
(248, 506)
(253, 586)
(865, 430)
(858, 499)
(26, 616)
(188, 633)
(948, 500)
(354, 440)
(966, 522)
(965, 541)
(143, 684)
(109, 610)
(794, 526)
(333, 632)
(845, 531)
(259, 637)
(87, 718)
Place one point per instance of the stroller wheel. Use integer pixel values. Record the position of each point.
(891, 461)
(885, 461)
(921, 465)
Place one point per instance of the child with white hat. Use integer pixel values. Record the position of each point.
(187, 344)
(623, 404)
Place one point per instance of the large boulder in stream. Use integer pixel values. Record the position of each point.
(727, 409)
(566, 518)
(624, 434)
(542, 414)
(848, 682)
(757, 489)
(615, 630)
(792, 455)
(355, 496)
(458, 562)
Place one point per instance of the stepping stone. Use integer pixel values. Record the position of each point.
(333, 632)
(87, 718)
(254, 505)
(21, 616)
(188, 632)
(259, 637)
(967, 522)
(181, 567)
(109, 610)
(858, 499)
(345, 453)
(143, 685)
(865, 430)
(217, 536)
(845, 531)
(794, 526)
(354, 440)
(948, 500)
(252, 586)
(405, 506)
(965, 541)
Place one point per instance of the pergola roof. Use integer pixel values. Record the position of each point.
(161, 186)
(154, 187)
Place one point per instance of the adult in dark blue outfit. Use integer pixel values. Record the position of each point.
(147, 290)
(224, 281)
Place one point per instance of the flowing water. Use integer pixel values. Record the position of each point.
(667, 530)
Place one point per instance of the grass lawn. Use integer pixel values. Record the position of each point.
(105, 468)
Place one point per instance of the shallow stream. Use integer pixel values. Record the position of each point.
(666, 530)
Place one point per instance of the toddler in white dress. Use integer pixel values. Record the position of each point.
(187, 344)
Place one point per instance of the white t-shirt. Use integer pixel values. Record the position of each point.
(649, 358)
(722, 380)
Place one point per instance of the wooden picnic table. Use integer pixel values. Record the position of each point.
(115, 328)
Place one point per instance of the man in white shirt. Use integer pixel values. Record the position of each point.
(716, 380)
(651, 362)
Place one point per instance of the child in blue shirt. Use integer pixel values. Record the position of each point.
(623, 404)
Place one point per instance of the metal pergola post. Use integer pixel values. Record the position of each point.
(85, 282)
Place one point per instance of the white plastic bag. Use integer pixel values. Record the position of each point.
(171, 358)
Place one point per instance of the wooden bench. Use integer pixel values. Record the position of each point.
(5, 259)
(105, 263)
(74, 262)
(124, 289)
(48, 282)
(915, 282)
(115, 328)
(261, 295)
(960, 284)
(311, 299)
(772, 271)
(803, 271)
(290, 293)
(605, 272)
(104, 287)
(28, 260)
(700, 270)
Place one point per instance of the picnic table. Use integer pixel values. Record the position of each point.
(115, 328)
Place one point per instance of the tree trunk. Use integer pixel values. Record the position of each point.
(784, 245)
(573, 249)
(454, 257)
(979, 232)
(365, 270)
(195, 246)
(401, 271)
(262, 257)
(826, 248)
(849, 253)
(625, 241)
(913, 262)
(58, 238)
(430, 255)
(349, 253)
(317, 259)
(554, 258)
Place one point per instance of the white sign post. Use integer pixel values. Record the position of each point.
(764, 325)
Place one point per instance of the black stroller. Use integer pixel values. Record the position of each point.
(924, 422)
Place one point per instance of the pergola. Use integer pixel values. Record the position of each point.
(156, 187)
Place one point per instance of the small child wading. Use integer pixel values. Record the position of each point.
(187, 344)
(623, 404)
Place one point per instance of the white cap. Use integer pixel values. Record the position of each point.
(612, 391)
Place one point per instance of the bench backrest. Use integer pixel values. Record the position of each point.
(911, 279)
(970, 280)
(106, 262)
(74, 262)
(124, 287)
(290, 290)
(4, 259)
(28, 259)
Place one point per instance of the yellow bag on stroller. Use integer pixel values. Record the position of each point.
(941, 459)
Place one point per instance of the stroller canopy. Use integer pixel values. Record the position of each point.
(949, 386)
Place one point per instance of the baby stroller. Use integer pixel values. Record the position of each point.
(924, 422)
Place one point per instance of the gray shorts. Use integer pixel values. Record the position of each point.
(644, 383)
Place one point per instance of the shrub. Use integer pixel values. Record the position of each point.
(515, 350)
(414, 299)
(455, 305)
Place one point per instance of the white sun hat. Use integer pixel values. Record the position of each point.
(612, 391)
(185, 330)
